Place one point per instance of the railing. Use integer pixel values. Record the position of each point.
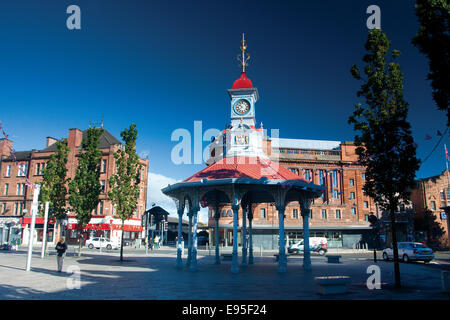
(308, 154)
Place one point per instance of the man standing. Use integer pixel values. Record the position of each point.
(61, 247)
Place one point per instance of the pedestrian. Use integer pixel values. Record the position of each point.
(61, 247)
(156, 242)
(150, 243)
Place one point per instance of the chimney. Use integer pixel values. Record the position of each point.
(75, 137)
(5, 147)
(51, 141)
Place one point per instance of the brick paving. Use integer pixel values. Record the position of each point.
(154, 276)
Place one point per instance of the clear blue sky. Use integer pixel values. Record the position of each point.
(165, 64)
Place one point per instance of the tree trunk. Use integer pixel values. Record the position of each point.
(121, 242)
(79, 243)
(395, 249)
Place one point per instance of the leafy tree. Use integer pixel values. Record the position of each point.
(85, 188)
(433, 40)
(124, 184)
(53, 186)
(385, 145)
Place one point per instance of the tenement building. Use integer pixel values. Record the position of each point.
(340, 215)
(431, 195)
(20, 168)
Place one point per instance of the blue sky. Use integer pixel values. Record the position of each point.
(165, 64)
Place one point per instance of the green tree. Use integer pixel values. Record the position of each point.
(54, 183)
(85, 188)
(433, 40)
(124, 184)
(385, 145)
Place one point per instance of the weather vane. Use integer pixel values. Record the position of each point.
(244, 58)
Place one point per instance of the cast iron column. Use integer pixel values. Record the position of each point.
(234, 262)
(282, 246)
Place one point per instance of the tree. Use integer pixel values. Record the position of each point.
(433, 40)
(385, 145)
(124, 184)
(53, 186)
(85, 188)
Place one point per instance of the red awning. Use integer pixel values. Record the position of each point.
(38, 221)
(104, 226)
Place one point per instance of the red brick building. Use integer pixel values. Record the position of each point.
(430, 196)
(341, 215)
(16, 197)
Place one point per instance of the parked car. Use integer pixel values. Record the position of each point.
(316, 244)
(103, 242)
(410, 251)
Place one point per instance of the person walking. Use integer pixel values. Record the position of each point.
(157, 242)
(150, 244)
(61, 247)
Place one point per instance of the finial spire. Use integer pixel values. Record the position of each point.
(244, 58)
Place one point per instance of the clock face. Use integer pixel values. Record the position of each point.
(242, 107)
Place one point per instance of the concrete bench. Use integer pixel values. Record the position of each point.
(333, 258)
(332, 284)
(227, 256)
(445, 276)
(277, 256)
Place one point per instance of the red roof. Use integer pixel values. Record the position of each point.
(242, 83)
(244, 167)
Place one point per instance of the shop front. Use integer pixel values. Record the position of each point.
(106, 227)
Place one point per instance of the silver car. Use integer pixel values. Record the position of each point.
(410, 251)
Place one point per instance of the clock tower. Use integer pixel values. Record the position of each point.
(241, 139)
(243, 95)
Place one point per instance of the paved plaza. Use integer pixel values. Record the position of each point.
(155, 277)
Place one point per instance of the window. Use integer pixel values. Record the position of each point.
(448, 194)
(335, 194)
(366, 204)
(351, 182)
(442, 203)
(40, 168)
(352, 195)
(103, 166)
(8, 171)
(230, 213)
(3, 207)
(126, 234)
(353, 210)
(295, 214)
(307, 174)
(15, 208)
(6, 189)
(366, 217)
(102, 183)
(324, 213)
(442, 195)
(363, 176)
(22, 170)
(101, 207)
(20, 189)
(321, 182)
(338, 214)
(433, 205)
(263, 213)
(334, 178)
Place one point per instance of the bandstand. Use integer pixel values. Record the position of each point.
(239, 174)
